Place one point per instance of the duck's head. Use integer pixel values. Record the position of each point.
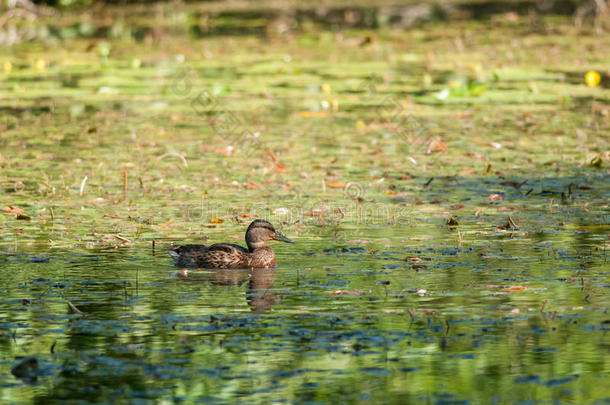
(260, 231)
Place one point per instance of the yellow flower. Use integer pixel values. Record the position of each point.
(40, 64)
(592, 78)
(8, 66)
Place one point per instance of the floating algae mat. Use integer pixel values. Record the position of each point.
(446, 184)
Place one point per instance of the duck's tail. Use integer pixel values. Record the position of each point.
(175, 255)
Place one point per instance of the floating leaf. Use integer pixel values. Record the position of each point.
(13, 210)
(495, 197)
(215, 220)
(272, 156)
(279, 168)
(335, 184)
(515, 288)
(437, 146)
(311, 114)
(346, 292)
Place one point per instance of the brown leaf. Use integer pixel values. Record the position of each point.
(501, 209)
(456, 206)
(272, 156)
(279, 168)
(335, 184)
(215, 220)
(252, 186)
(437, 146)
(360, 241)
(515, 288)
(311, 114)
(346, 292)
(413, 259)
(495, 197)
(13, 210)
(227, 151)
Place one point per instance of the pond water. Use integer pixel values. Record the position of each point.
(446, 186)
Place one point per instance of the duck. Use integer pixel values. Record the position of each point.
(230, 256)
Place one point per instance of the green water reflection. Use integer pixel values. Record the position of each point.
(281, 334)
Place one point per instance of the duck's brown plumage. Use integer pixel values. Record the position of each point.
(230, 256)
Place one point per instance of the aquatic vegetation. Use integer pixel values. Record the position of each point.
(450, 249)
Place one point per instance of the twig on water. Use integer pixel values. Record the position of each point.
(124, 183)
(179, 156)
(82, 186)
(119, 237)
(543, 305)
(73, 309)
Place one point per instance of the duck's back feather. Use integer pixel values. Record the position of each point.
(219, 255)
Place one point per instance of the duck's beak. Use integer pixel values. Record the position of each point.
(279, 236)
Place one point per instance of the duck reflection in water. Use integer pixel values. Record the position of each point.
(259, 295)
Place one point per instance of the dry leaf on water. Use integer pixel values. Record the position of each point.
(335, 184)
(310, 114)
(215, 220)
(362, 241)
(272, 156)
(437, 146)
(279, 168)
(495, 197)
(346, 292)
(515, 288)
(13, 210)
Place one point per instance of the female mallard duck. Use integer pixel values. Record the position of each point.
(229, 256)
